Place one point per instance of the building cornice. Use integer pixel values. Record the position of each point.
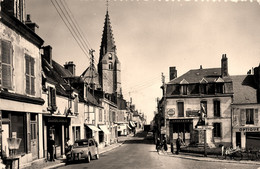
(21, 28)
(21, 98)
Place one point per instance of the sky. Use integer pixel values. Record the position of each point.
(153, 35)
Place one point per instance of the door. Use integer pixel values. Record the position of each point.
(34, 136)
(5, 135)
(238, 139)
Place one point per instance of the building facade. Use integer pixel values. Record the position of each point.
(199, 92)
(245, 110)
(20, 80)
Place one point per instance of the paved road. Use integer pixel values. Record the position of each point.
(139, 153)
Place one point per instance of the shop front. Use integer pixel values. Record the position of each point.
(182, 128)
(246, 137)
(58, 129)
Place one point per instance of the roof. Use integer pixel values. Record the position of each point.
(200, 75)
(244, 89)
(54, 74)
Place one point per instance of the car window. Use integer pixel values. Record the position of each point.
(81, 143)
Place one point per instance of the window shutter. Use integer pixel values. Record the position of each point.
(27, 77)
(256, 117)
(32, 76)
(243, 116)
(53, 97)
(6, 64)
(49, 97)
(1, 62)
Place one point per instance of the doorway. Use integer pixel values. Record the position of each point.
(238, 139)
(34, 136)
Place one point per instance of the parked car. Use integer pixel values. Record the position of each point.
(83, 149)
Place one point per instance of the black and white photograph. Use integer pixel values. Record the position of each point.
(130, 84)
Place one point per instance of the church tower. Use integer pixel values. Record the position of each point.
(109, 67)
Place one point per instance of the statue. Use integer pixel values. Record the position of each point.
(202, 116)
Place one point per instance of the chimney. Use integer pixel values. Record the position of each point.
(257, 81)
(15, 8)
(224, 65)
(33, 26)
(47, 54)
(71, 67)
(200, 66)
(173, 73)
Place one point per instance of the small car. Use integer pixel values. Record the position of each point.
(83, 149)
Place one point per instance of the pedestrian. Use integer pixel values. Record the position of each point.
(69, 145)
(158, 145)
(178, 145)
(50, 147)
(165, 147)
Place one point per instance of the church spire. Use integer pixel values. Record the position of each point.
(107, 43)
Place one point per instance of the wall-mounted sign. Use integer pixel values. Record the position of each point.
(249, 129)
(171, 111)
(57, 120)
(192, 113)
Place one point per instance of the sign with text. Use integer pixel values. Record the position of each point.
(249, 129)
(192, 113)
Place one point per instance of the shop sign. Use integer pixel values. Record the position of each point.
(249, 129)
(182, 120)
(57, 120)
(192, 113)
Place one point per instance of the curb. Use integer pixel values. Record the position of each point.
(63, 164)
(208, 159)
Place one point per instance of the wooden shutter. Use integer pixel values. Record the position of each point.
(1, 62)
(32, 76)
(256, 117)
(53, 97)
(243, 116)
(6, 64)
(49, 97)
(27, 74)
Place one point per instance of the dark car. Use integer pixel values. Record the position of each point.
(83, 149)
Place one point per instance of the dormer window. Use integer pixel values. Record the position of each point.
(203, 88)
(184, 89)
(219, 88)
(110, 65)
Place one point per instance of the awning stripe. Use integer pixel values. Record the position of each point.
(104, 129)
(92, 127)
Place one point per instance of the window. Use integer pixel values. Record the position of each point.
(180, 109)
(110, 56)
(217, 129)
(203, 89)
(249, 116)
(52, 99)
(216, 108)
(184, 89)
(110, 65)
(6, 64)
(219, 88)
(100, 115)
(30, 75)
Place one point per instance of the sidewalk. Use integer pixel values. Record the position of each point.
(43, 164)
(209, 158)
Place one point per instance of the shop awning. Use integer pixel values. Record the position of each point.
(132, 124)
(92, 127)
(104, 129)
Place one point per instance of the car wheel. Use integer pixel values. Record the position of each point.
(88, 158)
(97, 156)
